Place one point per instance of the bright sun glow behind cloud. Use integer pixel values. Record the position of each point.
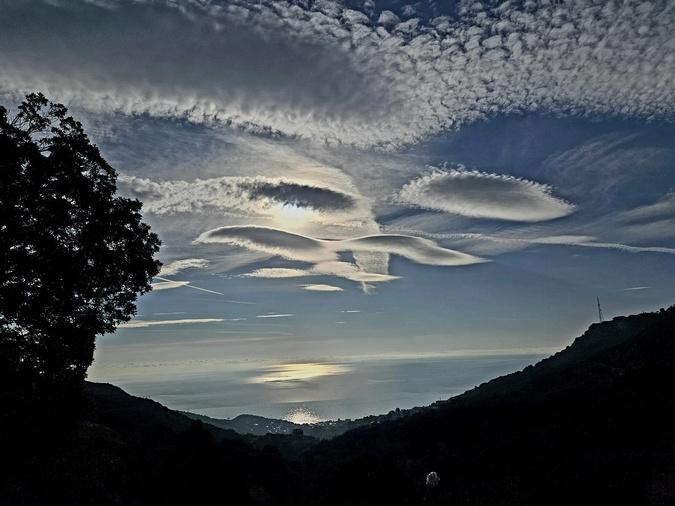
(292, 216)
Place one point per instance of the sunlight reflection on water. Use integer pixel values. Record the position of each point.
(299, 372)
(312, 390)
(302, 415)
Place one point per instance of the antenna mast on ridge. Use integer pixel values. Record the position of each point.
(599, 310)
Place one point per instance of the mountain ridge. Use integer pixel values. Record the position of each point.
(591, 424)
(593, 417)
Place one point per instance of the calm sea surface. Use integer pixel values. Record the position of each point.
(346, 389)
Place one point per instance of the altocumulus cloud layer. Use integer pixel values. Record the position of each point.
(483, 195)
(282, 68)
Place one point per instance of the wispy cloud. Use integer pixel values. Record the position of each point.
(308, 249)
(275, 315)
(651, 221)
(263, 196)
(598, 167)
(180, 265)
(486, 244)
(323, 254)
(277, 273)
(166, 284)
(483, 195)
(321, 288)
(140, 324)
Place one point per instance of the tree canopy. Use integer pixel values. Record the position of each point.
(73, 255)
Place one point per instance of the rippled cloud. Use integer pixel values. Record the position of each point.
(334, 74)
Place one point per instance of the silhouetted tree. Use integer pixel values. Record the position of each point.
(73, 255)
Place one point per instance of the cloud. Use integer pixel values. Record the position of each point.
(308, 249)
(636, 288)
(237, 195)
(486, 244)
(388, 19)
(271, 241)
(180, 265)
(321, 288)
(168, 285)
(652, 221)
(299, 195)
(599, 167)
(345, 270)
(351, 272)
(140, 324)
(663, 208)
(276, 273)
(325, 254)
(593, 242)
(625, 247)
(329, 73)
(275, 315)
(483, 195)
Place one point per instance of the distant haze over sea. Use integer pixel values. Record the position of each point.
(312, 391)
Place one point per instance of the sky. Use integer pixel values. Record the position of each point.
(346, 181)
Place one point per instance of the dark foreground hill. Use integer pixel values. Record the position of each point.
(593, 424)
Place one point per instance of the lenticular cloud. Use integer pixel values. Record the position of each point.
(308, 249)
(483, 195)
(324, 255)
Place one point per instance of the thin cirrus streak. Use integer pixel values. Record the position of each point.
(167, 284)
(486, 244)
(140, 324)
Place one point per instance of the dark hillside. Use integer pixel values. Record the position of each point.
(111, 406)
(592, 424)
(133, 451)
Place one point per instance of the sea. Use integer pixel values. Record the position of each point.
(309, 392)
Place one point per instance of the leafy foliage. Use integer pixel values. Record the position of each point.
(74, 255)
